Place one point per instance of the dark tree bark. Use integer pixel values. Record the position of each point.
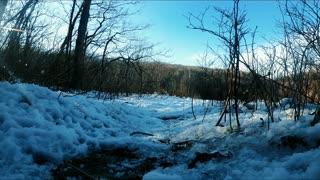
(79, 53)
(236, 55)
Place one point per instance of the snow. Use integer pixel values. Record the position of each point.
(154, 175)
(40, 128)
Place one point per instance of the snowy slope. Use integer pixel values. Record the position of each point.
(39, 129)
(257, 153)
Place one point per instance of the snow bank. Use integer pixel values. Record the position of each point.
(39, 129)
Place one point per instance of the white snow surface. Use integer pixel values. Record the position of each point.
(40, 128)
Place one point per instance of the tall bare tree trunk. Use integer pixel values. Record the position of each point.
(236, 50)
(79, 52)
(66, 45)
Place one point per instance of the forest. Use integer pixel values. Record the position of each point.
(85, 47)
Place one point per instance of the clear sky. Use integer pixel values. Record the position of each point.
(169, 25)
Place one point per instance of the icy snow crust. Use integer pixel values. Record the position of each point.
(39, 129)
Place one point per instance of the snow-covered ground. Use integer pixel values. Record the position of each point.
(39, 129)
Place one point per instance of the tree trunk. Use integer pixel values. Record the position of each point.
(66, 45)
(79, 53)
(236, 50)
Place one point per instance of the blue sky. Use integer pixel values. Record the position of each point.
(169, 25)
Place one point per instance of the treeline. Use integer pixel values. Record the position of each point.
(118, 77)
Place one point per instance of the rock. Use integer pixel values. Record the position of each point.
(204, 157)
(292, 141)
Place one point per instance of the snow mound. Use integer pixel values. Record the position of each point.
(39, 128)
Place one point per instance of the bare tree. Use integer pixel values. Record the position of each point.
(20, 21)
(231, 32)
(74, 15)
(301, 27)
(79, 52)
